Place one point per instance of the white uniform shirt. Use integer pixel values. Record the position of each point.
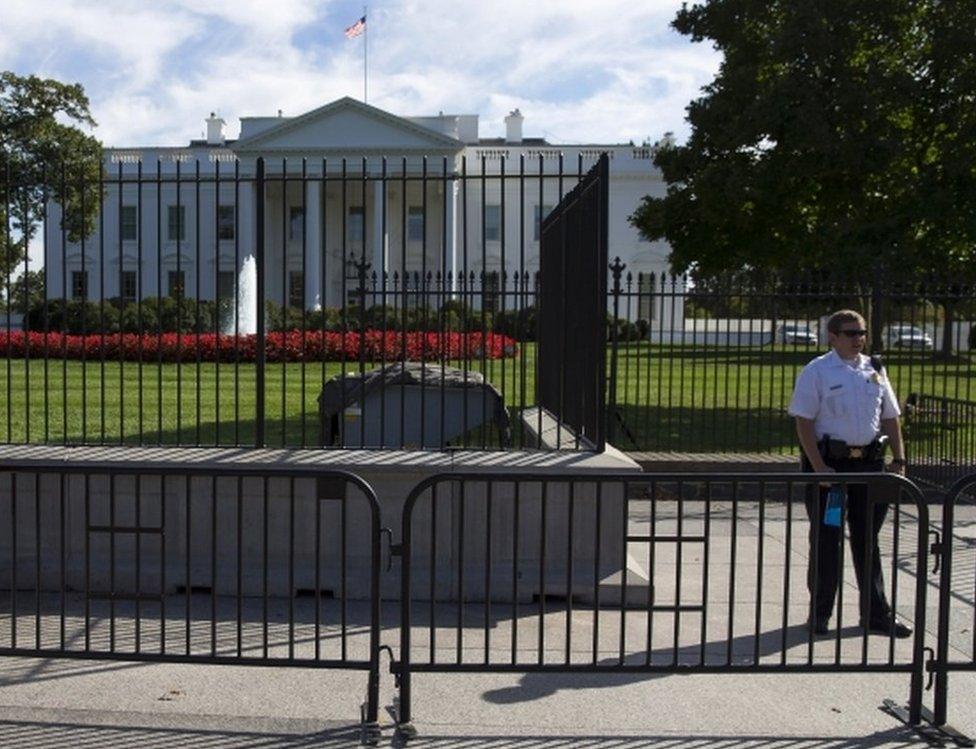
(843, 401)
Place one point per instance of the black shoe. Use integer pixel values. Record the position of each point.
(890, 627)
(818, 626)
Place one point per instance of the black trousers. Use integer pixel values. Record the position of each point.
(823, 573)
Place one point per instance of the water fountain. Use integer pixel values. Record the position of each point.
(247, 303)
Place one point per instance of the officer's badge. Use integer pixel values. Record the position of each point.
(875, 378)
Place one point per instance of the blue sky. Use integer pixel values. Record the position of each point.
(581, 72)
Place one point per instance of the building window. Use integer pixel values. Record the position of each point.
(225, 284)
(541, 211)
(415, 223)
(296, 289)
(489, 291)
(176, 223)
(79, 284)
(356, 224)
(177, 283)
(127, 223)
(493, 223)
(128, 286)
(225, 222)
(296, 223)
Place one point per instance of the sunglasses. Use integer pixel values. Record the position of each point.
(854, 333)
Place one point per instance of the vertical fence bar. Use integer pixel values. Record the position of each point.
(240, 568)
(259, 343)
(63, 583)
(197, 284)
(178, 289)
(213, 565)
(542, 571)
(38, 557)
(101, 298)
(286, 228)
(111, 562)
(138, 534)
(187, 583)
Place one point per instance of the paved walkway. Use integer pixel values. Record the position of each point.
(54, 703)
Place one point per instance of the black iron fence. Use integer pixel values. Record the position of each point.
(709, 366)
(651, 573)
(956, 641)
(209, 302)
(940, 437)
(269, 567)
(572, 337)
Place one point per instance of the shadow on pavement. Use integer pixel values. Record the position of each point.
(82, 736)
(895, 737)
(52, 734)
(745, 650)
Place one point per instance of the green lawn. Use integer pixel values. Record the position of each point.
(668, 399)
(180, 403)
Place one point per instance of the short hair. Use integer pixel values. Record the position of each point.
(840, 317)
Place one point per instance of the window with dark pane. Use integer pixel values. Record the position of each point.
(127, 223)
(79, 284)
(225, 222)
(225, 284)
(296, 289)
(356, 224)
(296, 223)
(415, 223)
(177, 283)
(176, 223)
(493, 223)
(128, 285)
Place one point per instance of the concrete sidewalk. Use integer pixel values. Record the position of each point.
(54, 703)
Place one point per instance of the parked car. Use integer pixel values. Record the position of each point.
(796, 334)
(903, 335)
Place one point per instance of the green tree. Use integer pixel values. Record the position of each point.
(28, 292)
(44, 155)
(835, 136)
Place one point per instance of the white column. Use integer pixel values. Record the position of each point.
(313, 245)
(379, 239)
(452, 238)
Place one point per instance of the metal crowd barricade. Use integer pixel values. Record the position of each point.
(228, 566)
(953, 620)
(535, 573)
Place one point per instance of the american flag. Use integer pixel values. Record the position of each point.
(356, 29)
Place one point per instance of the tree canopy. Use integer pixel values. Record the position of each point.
(837, 134)
(44, 154)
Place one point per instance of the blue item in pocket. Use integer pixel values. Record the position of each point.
(835, 505)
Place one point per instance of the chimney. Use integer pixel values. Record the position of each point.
(215, 130)
(513, 127)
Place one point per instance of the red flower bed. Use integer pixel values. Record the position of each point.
(293, 346)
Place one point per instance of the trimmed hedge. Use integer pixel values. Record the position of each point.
(170, 315)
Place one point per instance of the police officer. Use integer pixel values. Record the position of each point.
(845, 411)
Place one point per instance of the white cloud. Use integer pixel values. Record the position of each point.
(580, 71)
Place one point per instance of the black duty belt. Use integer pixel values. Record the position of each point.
(832, 449)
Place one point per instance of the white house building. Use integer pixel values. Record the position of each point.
(346, 180)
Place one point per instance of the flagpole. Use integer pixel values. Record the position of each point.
(365, 57)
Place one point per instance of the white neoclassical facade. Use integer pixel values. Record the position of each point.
(344, 181)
